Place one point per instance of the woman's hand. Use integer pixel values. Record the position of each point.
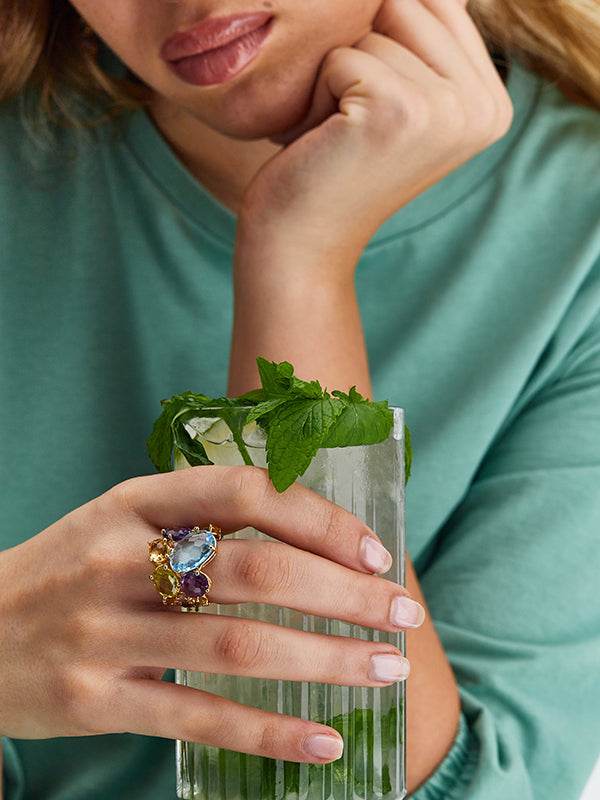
(391, 116)
(85, 640)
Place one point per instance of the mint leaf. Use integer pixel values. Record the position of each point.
(299, 417)
(295, 431)
(265, 408)
(408, 454)
(192, 450)
(360, 421)
(279, 380)
(161, 440)
(170, 430)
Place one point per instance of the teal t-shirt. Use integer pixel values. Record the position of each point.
(481, 307)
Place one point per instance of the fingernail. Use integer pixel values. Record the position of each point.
(320, 745)
(387, 667)
(406, 613)
(374, 556)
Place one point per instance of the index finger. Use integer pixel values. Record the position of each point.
(237, 497)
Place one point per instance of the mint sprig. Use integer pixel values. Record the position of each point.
(299, 418)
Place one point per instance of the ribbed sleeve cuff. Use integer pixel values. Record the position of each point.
(455, 772)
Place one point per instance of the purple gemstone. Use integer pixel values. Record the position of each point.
(194, 585)
(177, 534)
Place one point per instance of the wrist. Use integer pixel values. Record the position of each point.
(277, 252)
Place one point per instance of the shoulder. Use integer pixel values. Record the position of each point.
(49, 175)
(558, 152)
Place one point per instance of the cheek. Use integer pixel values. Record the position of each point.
(123, 25)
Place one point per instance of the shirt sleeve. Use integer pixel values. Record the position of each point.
(514, 591)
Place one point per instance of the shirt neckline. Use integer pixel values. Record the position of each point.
(183, 190)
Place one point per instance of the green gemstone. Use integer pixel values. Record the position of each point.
(166, 581)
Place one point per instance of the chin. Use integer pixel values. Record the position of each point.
(253, 112)
(268, 128)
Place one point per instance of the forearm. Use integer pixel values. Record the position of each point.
(287, 308)
(433, 705)
(316, 326)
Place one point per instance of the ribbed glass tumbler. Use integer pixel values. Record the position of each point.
(369, 482)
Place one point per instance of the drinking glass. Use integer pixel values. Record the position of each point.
(368, 481)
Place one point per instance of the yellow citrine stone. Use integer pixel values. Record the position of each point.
(166, 581)
(158, 550)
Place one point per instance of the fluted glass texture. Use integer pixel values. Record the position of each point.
(369, 482)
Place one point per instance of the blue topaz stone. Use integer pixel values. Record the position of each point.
(193, 551)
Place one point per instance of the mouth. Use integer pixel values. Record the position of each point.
(217, 49)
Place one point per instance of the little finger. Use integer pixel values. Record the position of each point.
(156, 708)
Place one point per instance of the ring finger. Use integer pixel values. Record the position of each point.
(221, 644)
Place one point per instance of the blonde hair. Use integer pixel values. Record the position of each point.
(45, 45)
(558, 39)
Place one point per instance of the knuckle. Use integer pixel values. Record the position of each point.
(362, 601)
(269, 740)
(192, 727)
(453, 113)
(77, 695)
(492, 118)
(103, 566)
(335, 59)
(334, 528)
(485, 120)
(418, 114)
(239, 648)
(264, 569)
(249, 489)
(389, 110)
(505, 116)
(124, 498)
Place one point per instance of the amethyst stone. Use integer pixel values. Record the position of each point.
(177, 534)
(193, 551)
(194, 585)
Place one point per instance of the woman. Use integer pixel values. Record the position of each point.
(300, 140)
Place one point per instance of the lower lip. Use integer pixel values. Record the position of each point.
(223, 63)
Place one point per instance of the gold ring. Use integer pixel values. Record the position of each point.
(178, 557)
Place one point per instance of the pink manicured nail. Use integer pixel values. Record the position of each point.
(387, 667)
(406, 613)
(374, 556)
(320, 745)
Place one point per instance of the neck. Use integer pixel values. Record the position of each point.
(223, 165)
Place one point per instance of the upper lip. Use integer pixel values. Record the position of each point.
(211, 33)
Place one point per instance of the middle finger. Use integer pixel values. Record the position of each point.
(252, 571)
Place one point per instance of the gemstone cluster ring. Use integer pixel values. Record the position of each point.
(178, 557)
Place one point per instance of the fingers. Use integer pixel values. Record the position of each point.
(460, 23)
(236, 497)
(179, 712)
(247, 571)
(412, 27)
(219, 644)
